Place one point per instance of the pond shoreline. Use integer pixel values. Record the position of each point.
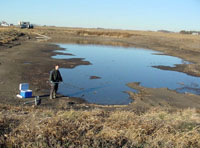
(38, 55)
(131, 67)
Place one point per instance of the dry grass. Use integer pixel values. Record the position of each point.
(29, 127)
(114, 33)
(8, 35)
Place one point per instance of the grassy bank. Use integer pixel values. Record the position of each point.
(30, 127)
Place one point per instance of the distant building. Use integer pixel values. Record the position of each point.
(195, 33)
(190, 32)
(23, 23)
(3, 23)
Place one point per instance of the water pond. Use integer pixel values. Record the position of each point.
(104, 81)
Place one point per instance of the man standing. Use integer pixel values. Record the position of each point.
(55, 78)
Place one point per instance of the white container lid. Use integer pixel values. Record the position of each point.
(26, 90)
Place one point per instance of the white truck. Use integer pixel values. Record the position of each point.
(26, 25)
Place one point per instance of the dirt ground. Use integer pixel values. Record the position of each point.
(27, 58)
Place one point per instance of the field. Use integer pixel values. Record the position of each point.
(149, 121)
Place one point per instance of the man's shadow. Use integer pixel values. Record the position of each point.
(48, 95)
(85, 91)
(81, 92)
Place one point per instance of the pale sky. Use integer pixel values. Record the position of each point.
(174, 15)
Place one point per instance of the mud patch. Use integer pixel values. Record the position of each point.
(161, 97)
(94, 77)
(190, 69)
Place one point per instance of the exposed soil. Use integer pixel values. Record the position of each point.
(190, 69)
(30, 62)
(28, 59)
(161, 97)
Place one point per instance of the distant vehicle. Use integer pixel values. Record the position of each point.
(23, 26)
(26, 25)
(30, 26)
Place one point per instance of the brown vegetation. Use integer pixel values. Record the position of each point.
(11, 36)
(7, 35)
(29, 127)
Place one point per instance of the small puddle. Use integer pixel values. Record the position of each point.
(27, 63)
(113, 67)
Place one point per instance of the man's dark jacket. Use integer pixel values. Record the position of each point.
(55, 76)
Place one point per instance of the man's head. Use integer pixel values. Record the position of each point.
(56, 67)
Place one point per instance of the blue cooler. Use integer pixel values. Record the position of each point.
(25, 92)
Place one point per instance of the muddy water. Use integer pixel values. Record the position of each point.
(114, 67)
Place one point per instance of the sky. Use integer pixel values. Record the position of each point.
(173, 15)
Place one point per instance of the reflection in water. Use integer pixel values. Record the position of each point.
(118, 66)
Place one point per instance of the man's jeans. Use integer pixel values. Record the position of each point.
(53, 91)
